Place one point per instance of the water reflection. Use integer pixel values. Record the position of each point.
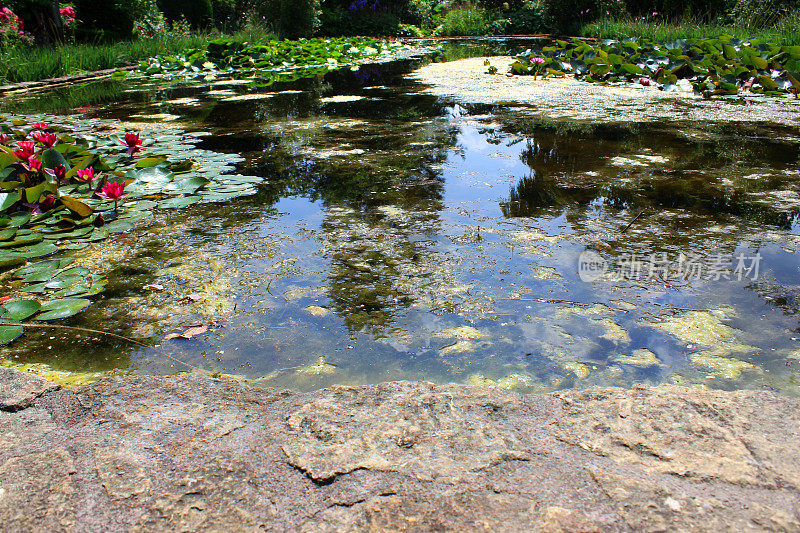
(399, 236)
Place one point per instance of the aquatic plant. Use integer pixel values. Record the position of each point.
(713, 66)
(263, 62)
(57, 195)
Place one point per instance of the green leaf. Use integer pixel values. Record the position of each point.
(58, 309)
(52, 158)
(150, 162)
(76, 206)
(19, 310)
(8, 199)
(9, 334)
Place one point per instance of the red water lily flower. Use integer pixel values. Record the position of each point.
(33, 165)
(4, 138)
(47, 139)
(133, 143)
(40, 125)
(113, 191)
(47, 203)
(60, 172)
(86, 175)
(26, 150)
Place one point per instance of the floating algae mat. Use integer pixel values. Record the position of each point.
(354, 227)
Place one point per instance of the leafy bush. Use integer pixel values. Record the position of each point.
(567, 16)
(465, 20)
(409, 30)
(763, 13)
(197, 12)
(529, 19)
(112, 19)
(224, 13)
(345, 23)
(298, 18)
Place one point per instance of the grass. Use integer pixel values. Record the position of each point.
(466, 20)
(33, 64)
(786, 32)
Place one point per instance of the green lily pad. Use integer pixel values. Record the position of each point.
(19, 310)
(65, 308)
(9, 334)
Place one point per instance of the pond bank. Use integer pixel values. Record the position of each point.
(196, 453)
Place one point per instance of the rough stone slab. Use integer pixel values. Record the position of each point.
(19, 389)
(195, 453)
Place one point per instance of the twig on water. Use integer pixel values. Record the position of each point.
(634, 220)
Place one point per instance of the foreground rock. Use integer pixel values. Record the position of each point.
(467, 81)
(195, 453)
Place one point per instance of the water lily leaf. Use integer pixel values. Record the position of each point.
(148, 162)
(19, 310)
(76, 206)
(7, 199)
(43, 270)
(58, 309)
(9, 333)
(52, 158)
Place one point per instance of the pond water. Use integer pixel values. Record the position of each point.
(399, 235)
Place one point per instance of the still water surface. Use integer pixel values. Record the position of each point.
(399, 235)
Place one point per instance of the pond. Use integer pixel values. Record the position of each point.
(402, 235)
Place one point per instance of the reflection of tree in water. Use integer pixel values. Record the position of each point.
(571, 175)
(381, 258)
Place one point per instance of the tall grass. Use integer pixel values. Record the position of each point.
(785, 32)
(464, 20)
(32, 64)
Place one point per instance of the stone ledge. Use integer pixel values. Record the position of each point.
(192, 452)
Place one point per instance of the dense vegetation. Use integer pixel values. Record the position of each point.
(87, 35)
(66, 185)
(713, 66)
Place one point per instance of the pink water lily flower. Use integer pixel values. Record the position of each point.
(113, 191)
(33, 165)
(133, 143)
(4, 138)
(47, 139)
(645, 81)
(60, 172)
(86, 175)
(40, 125)
(537, 60)
(25, 150)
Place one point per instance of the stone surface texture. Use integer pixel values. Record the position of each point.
(196, 453)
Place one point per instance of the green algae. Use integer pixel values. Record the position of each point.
(641, 357)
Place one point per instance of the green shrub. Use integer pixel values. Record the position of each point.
(465, 20)
(677, 9)
(409, 30)
(764, 13)
(109, 20)
(198, 13)
(298, 18)
(567, 16)
(528, 20)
